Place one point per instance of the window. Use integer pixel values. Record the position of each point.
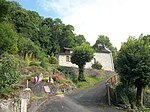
(68, 59)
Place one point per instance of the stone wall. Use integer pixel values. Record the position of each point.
(90, 72)
(17, 104)
(9, 105)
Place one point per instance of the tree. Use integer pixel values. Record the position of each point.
(4, 8)
(25, 46)
(133, 63)
(67, 37)
(102, 39)
(79, 40)
(9, 39)
(48, 39)
(81, 55)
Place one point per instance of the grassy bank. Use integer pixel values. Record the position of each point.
(90, 81)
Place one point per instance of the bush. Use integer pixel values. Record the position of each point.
(53, 59)
(125, 95)
(147, 98)
(8, 71)
(74, 78)
(121, 95)
(97, 65)
(44, 62)
(28, 58)
(34, 63)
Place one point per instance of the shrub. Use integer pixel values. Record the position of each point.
(53, 59)
(8, 71)
(28, 58)
(121, 95)
(125, 95)
(97, 65)
(74, 78)
(34, 63)
(44, 62)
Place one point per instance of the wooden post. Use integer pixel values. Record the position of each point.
(115, 79)
(111, 80)
(108, 92)
(27, 83)
(108, 95)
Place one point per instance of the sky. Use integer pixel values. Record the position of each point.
(117, 19)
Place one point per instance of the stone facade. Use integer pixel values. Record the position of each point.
(9, 105)
(104, 57)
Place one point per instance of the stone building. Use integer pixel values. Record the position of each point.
(104, 56)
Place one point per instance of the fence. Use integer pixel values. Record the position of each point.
(110, 92)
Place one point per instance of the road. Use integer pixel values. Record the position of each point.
(89, 100)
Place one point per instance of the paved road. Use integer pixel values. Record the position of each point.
(89, 100)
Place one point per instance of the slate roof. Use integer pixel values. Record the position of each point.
(104, 49)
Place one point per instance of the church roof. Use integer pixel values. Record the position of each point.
(104, 49)
(68, 49)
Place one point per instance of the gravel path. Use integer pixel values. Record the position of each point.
(89, 100)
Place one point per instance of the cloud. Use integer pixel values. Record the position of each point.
(117, 19)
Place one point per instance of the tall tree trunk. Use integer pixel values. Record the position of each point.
(139, 96)
(81, 73)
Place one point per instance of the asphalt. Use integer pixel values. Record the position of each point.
(93, 99)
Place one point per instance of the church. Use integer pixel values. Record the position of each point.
(103, 56)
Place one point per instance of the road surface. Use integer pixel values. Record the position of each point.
(93, 99)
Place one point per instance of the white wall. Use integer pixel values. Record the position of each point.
(62, 61)
(104, 58)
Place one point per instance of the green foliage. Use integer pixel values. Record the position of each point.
(22, 22)
(25, 45)
(41, 36)
(28, 58)
(121, 95)
(90, 81)
(80, 56)
(9, 38)
(8, 71)
(44, 62)
(104, 40)
(133, 63)
(34, 63)
(8, 63)
(67, 37)
(79, 40)
(53, 59)
(125, 95)
(97, 65)
(74, 78)
(4, 8)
